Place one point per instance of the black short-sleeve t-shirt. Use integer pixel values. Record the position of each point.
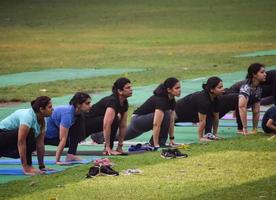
(198, 102)
(111, 101)
(155, 102)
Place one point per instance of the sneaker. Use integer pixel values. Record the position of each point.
(178, 153)
(93, 171)
(210, 136)
(166, 153)
(108, 171)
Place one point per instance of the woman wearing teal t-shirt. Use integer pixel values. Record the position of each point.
(23, 131)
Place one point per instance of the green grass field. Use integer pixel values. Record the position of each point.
(165, 37)
(182, 38)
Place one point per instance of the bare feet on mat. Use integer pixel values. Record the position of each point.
(204, 140)
(72, 157)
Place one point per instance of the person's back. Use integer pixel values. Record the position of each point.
(62, 115)
(269, 114)
(19, 117)
(99, 108)
(198, 102)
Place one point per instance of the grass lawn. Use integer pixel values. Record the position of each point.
(182, 38)
(165, 37)
(239, 168)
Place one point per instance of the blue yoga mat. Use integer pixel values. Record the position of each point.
(19, 171)
(224, 124)
(230, 117)
(46, 162)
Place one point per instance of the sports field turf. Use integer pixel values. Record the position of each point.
(183, 38)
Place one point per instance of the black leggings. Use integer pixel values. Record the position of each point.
(9, 147)
(73, 137)
(84, 128)
(94, 125)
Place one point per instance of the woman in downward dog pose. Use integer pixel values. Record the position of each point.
(23, 132)
(156, 114)
(63, 128)
(196, 107)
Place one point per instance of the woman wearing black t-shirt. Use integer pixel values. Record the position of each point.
(196, 107)
(109, 114)
(156, 114)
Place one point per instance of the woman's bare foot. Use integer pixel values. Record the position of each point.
(72, 157)
(203, 139)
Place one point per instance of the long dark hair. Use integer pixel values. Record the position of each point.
(79, 98)
(253, 69)
(119, 84)
(211, 83)
(161, 90)
(40, 102)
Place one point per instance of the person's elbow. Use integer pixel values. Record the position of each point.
(156, 125)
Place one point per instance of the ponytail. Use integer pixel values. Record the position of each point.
(40, 102)
(161, 90)
(119, 84)
(79, 98)
(211, 83)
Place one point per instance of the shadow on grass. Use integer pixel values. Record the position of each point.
(261, 189)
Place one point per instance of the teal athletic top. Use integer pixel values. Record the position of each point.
(21, 117)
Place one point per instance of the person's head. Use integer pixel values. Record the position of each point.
(42, 105)
(170, 87)
(81, 101)
(214, 86)
(256, 71)
(122, 87)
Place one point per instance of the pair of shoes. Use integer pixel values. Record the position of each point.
(173, 153)
(108, 171)
(101, 170)
(93, 171)
(141, 147)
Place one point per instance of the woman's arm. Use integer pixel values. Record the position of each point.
(201, 124)
(107, 122)
(122, 131)
(215, 123)
(157, 121)
(256, 115)
(243, 112)
(270, 125)
(171, 129)
(40, 149)
(23, 132)
(63, 134)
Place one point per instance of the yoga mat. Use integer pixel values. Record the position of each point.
(19, 171)
(221, 124)
(271, 52)
(230, 117)
(46, 162)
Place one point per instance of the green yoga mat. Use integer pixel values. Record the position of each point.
(258, 53)
(58, 74)
(140, 94)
